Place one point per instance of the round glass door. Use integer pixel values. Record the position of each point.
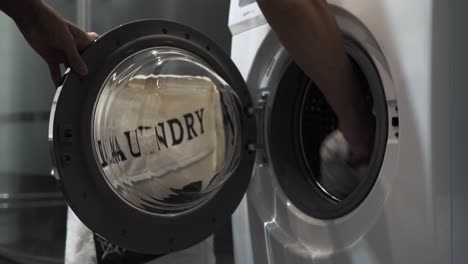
(166, 131)
(155, 138)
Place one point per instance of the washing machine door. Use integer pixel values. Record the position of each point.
(151, 147)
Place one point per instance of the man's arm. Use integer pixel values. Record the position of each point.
(53, 37)
(308, 30)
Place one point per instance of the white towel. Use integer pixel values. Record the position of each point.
(338, 177)
(79, 245)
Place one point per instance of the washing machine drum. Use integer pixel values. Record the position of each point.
(151, 147)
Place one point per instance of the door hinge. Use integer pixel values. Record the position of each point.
(259, 111)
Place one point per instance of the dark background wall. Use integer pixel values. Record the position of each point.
(458, 39)
(207, 16)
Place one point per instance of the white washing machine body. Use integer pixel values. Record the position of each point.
(414, 211)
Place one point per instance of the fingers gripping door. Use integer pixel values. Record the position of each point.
(150, 147)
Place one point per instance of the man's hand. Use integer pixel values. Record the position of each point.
(307, 28)
(53, 37)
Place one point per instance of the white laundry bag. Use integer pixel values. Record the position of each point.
(81, 249)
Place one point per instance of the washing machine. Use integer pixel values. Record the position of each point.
(409, 206)
(167, 136)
